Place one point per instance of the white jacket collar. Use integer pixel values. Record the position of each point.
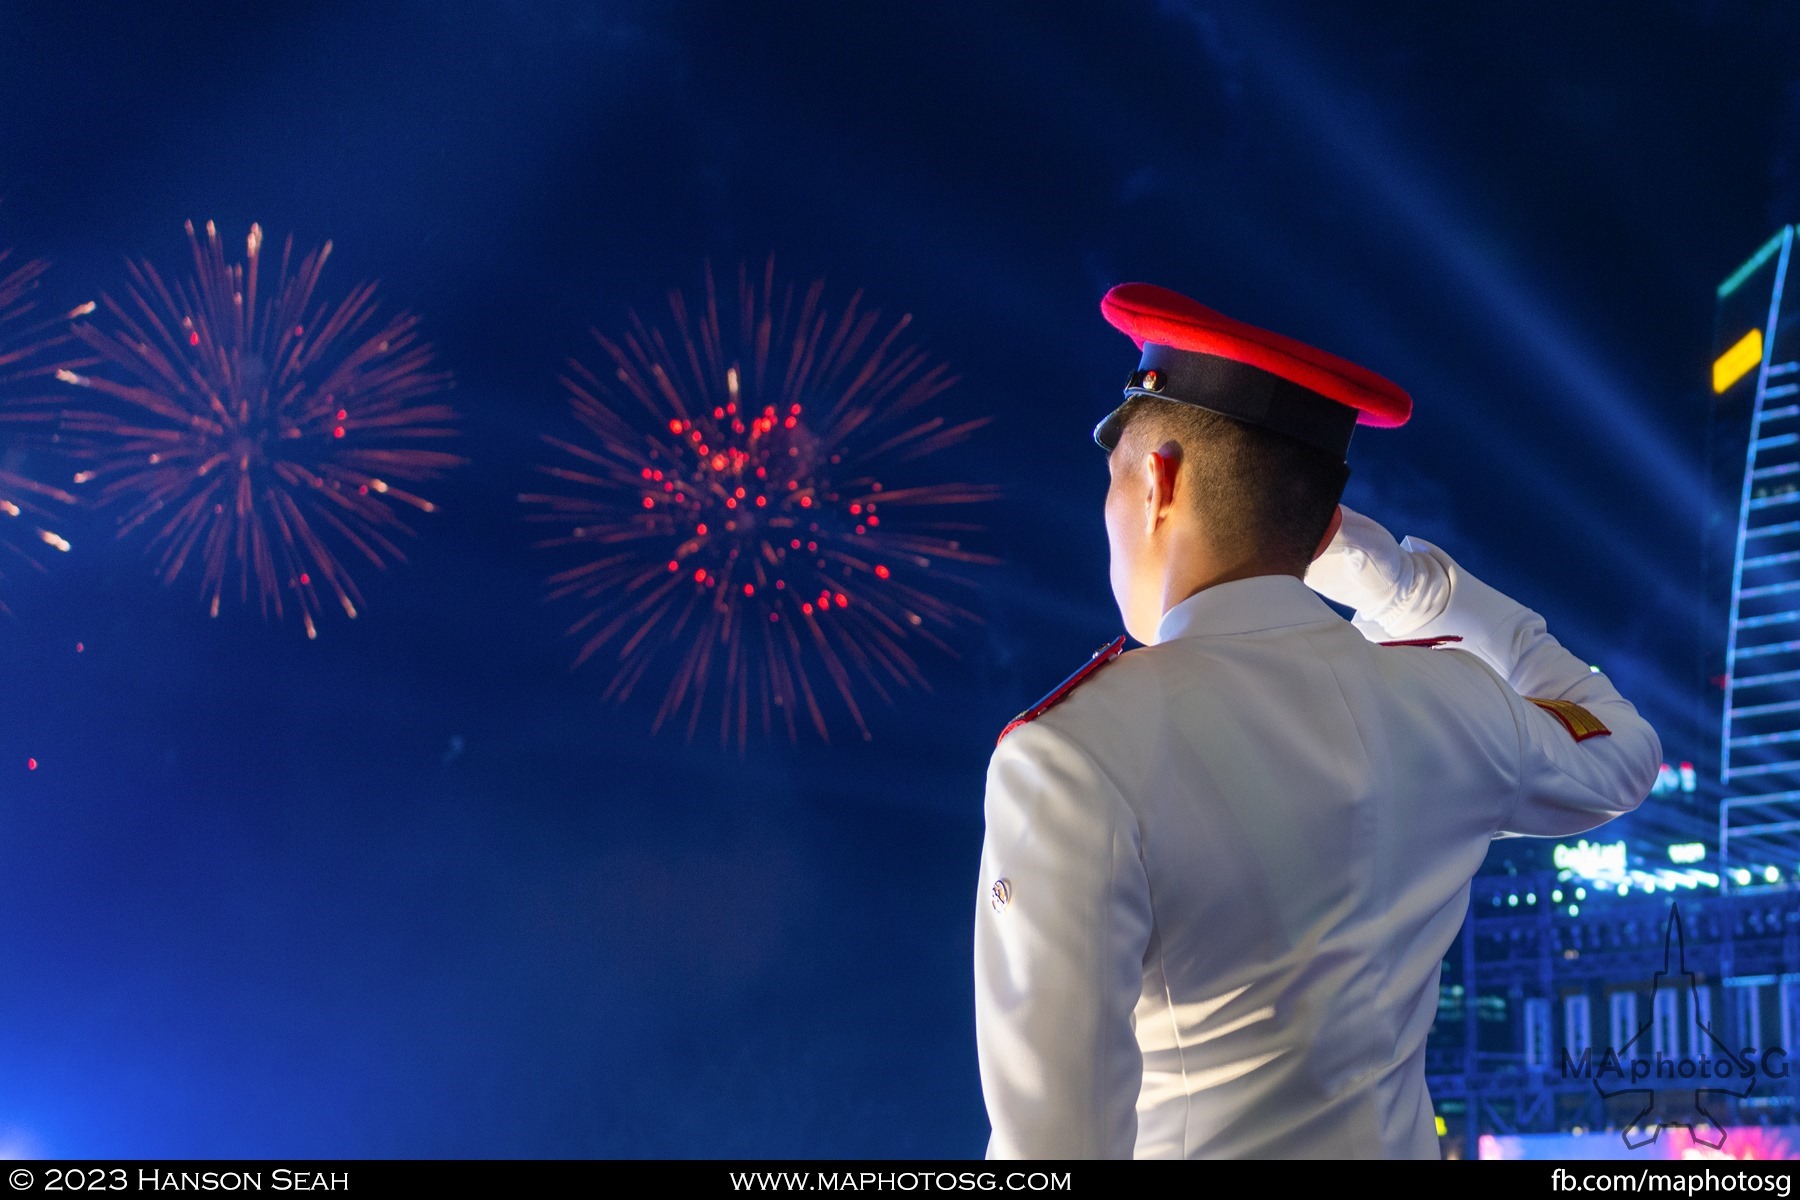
(1245, 606)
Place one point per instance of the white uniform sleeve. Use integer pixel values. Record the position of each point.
(1415, 590)
(1059, 964)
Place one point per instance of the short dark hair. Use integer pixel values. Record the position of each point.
(1259, 492)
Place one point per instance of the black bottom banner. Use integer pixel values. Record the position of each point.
(384, 1177)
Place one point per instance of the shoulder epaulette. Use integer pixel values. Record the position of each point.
(1102, 656)
(1430, 641)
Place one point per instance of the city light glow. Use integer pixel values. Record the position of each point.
(1741, 359)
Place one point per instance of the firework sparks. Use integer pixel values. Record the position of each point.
(260, 435)
(735, 512)
(30, 355)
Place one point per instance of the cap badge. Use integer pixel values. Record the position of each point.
(1152, 381)
(1000, 894)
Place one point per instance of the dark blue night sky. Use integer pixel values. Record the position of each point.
(250, 902)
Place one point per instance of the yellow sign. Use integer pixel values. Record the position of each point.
(1743, 357)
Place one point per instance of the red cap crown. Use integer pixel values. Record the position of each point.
(1147, 313)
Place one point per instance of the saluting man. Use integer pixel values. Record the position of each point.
(1220, 871)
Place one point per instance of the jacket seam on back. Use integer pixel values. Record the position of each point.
(1366, 1070)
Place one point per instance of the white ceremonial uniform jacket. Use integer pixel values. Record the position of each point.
(1233, 861)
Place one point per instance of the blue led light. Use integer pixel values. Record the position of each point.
(1736, 279)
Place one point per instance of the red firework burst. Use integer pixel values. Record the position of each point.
(736, 512)
(30, 355)
(261, 432)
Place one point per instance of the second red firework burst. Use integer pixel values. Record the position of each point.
(743, 509)
(258, 429)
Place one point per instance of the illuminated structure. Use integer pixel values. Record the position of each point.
(1754, 565)
(1561, 962)
(1560, 953)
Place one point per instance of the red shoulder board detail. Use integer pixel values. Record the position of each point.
(1580, 723)
(1102, 656)
(1433, 641)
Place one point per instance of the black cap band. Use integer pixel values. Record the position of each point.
(1236, 389)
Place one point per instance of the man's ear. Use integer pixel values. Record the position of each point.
(1337, 521)
(1161, 467)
